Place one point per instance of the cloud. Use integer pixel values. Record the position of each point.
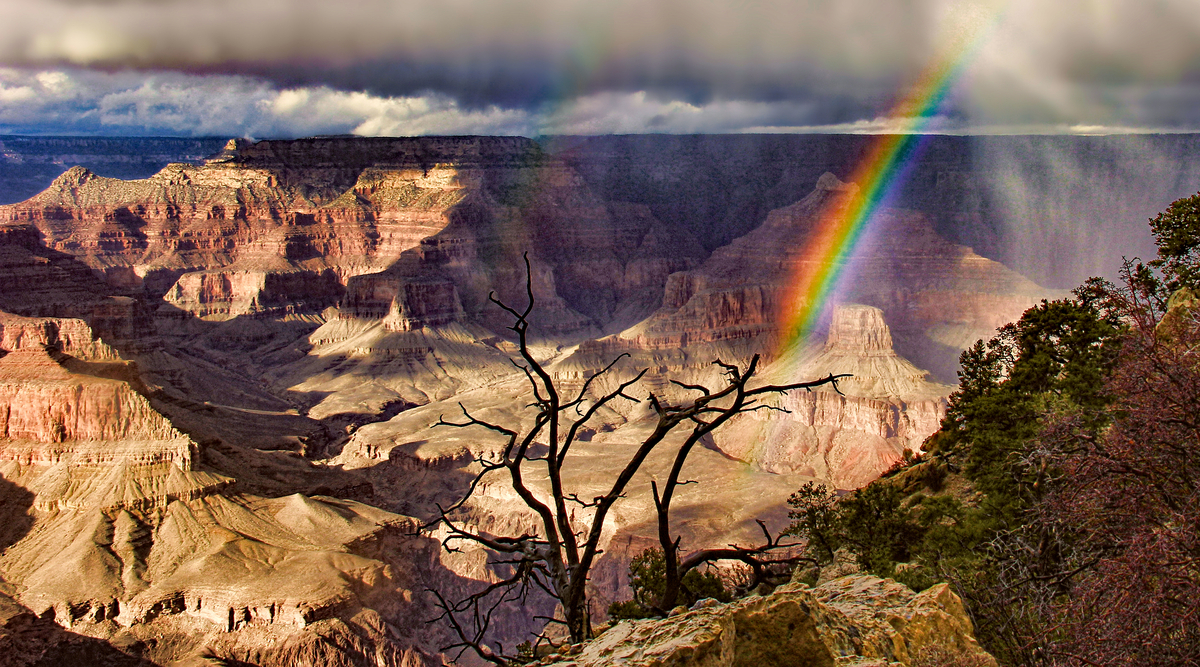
(76, 100)
(222, 105)
(81, 101)
(877, 125)
(628, 38)
(302, 111)
(640, 112)
(1110, 62)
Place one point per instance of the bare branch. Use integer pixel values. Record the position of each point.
(444, 512)
(528, 286)
(492, 297)
(471, 421)
(766, 533)
(588, 383)
(574, 497)
(619, 392)
(658, 407)
(694, 387)
(466, 641)
(830, 380)
(539, 400)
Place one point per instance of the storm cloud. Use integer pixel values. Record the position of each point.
(538, 66)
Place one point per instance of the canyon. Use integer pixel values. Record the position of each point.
(220, 384)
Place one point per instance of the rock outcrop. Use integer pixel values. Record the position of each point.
(938, 297)
(851, 434)
(203, 218)
(231, 575)
(67, 336)
(29, 163)
(857, 621)
(859, 343)
(41, 282)
(66, 397)
(846, 436)
(27, 641)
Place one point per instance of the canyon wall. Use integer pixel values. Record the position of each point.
(219, 385)
(937, 297)
(851, 433)
(134, 535)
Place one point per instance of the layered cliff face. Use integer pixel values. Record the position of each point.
(35, 280)
(64, 395)
(288, 225)
(192, 218)
(263, 232)
(68, 336)
(938, 297)
(133, 536)
(847, 436)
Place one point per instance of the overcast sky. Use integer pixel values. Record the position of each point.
(281, 68)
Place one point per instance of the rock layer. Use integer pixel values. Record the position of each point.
(937, 296)
(278, 225)
(850, 435)
(132, 536)
(64, 396)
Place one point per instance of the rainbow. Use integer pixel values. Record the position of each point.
(879, 175)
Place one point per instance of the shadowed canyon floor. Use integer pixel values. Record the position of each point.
(219, 384)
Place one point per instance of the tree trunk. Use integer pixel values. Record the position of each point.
(672, 579)
(579, 621)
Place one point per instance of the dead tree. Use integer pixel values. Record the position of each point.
(557, 559)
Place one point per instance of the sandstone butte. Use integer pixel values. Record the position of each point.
(217, 386)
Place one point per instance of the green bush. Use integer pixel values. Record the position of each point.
(648, 580)
(815, 518)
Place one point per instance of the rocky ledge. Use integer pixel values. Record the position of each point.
(855, 621)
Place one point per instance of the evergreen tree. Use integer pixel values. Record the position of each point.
(1177, 234)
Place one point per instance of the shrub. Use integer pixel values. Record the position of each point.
(814, 516)
(648, 580)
